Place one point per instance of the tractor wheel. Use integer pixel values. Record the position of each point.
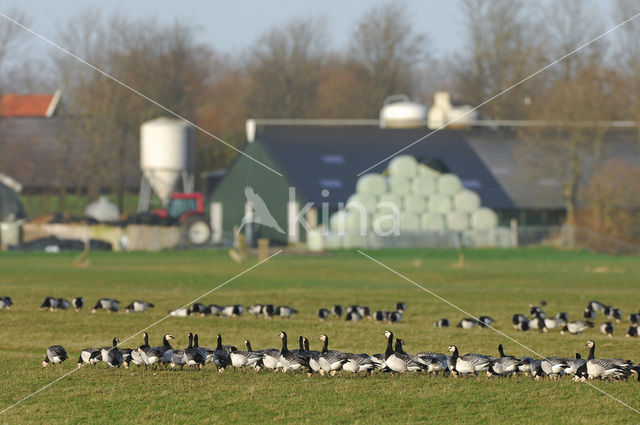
(196, 231)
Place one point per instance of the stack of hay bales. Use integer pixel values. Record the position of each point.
(422, 199)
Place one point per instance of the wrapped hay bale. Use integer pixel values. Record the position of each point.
(484, 219)
(409, 221)
(432, 221)
(439, 203)
(425, 170)
(466, 200)
(424, 185)
(449, 184)
(359, 201)
(503, 237)
(387, 198)
(385, 222)
(403, 166)
(347, 221)
(371, 184)
(415, 204)
(457, 220)
(399, 185)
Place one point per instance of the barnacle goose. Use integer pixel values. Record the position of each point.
(63, 304)
(180, 312)
(504, 365)
(330, 361)
(285, 311)
(613, 313)
(441, 323)
(576, 327)
(554, 367)
(538, 323)
(467, 323)
(220, 354)
(78, 303)
(135, 356)
(606, 368)
(469, 363)
(337, 310)
(49, 303)
(595, 305)
(352, 316)
(399, 361)
(485, 321)
(575, 364)
(255, 309)
(607, 329)
(108, 304)
(323, 313)
(112, 356)
(394, 316)
(380, 316)
(194, 355)
(151, 356)
(357, 363)
(89, 355)
(138, 306)
(589, 313)
(55, 354)
(534, 310)
(268, 311)
(634, 318)
(363, 311)
(235, 310)
(197, 308)
(632, 331)
(248, 358)
(290, 360)
(5, 302)
(212, 310)
(401, 307)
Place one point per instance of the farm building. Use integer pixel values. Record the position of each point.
(322, 162)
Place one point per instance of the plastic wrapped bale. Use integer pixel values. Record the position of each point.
(457, 220)
(432, 221)
(415, 204)
(466, 200)
(386, 223)
(371, 184)
(409, 222)
(333, 241)
(484, 219)
(359, 201)
(503, 237)
(449, 184)
(399, 185)
(383, 203)
(425, 185)
(403, 166)
(347, 221)
(425, 170)
(439, 203)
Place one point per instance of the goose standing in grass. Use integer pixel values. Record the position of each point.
(138, 306)
(576, 327)
(197, 308)
(380, 316)
(285, 311)
(5, 302)
(471, 363)
(323, 313)
(632, 332)
(151, 356)
(607, 329)
(268, 311)
(363, 311)
(135, 357)
(538, 323)
(575, 364)
(212, 310)
(330, 361)
(534, 310)
(467, 323)
(109, 304)
(357, 363)
(63, 304)
(634, 318)
(554, 367)
(220, 355)
(337, 310)
(112, 356)
(589, 313)
(49, 303)
(180, 312)
(55, 354)
(290, 361)
(235, 310)
(606, 368)
(504, 365)
(89, 355)
(441, 323)
(203, 351)
(401, 307)
(595, 305)
(485, 321)
(193, 355)
(255, 309)
(247, 358)
(78, 303)
(554, 322)
(613, 313)
(352, 316)
(394, 317)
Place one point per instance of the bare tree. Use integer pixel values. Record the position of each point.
(385, 52)
(283, 69)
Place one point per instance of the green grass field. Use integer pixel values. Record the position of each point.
(494, 282)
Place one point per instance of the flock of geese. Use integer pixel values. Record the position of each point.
(268, 311)
(329, 362)
(355, 313)
(107, 304)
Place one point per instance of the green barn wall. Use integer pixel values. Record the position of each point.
(272, 188)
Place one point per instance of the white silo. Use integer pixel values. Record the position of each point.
(166, 157)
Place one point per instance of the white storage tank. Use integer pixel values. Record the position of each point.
(166, 154)
(400, 112)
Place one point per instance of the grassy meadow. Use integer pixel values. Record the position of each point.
(498, 283)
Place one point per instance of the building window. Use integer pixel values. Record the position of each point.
(333, 159)
(331, 183)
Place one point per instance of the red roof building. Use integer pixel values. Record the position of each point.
(29, 105)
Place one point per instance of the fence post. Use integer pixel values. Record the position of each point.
(514, 232)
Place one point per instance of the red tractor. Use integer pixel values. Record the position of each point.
(187, 211)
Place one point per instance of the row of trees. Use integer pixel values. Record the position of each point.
(290, 73)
